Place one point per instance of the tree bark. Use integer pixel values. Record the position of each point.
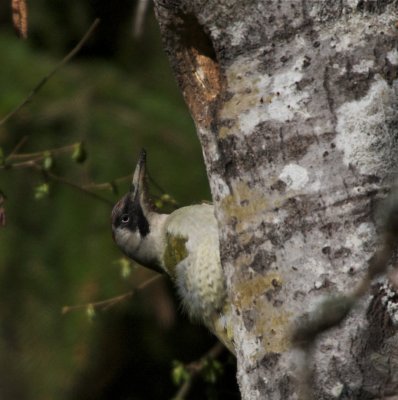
(295, 104)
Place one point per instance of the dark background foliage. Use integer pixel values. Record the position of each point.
(118, 95)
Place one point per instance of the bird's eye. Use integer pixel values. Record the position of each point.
(125, 218)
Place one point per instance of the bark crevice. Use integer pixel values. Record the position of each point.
(195, 62)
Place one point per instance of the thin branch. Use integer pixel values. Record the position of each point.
(184, 389)
(43, 81)
(18, 146)
(195, 368)
(213, 353)
(139, 17)
(107, 185)
(42, 154)
(20, 165)
(108, 303)
(33, 164)
(78, 187)
(155, 184)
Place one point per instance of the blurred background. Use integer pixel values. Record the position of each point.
(115, 97)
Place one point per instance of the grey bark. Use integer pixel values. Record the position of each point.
(295, 104)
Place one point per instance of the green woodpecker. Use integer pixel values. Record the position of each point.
(183, 244)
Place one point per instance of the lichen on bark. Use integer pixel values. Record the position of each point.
(174, 253)
(299, 133)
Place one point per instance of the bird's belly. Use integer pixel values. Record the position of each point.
(200, 282)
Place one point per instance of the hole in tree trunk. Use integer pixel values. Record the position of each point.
(198, 71)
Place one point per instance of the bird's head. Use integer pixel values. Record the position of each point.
(132, 217)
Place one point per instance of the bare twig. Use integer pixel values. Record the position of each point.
(18, 146)
(82, 189)
(139, 17)
(41, 154)
(108, 303)
(107, 185)
(43, 81)
(20, 165)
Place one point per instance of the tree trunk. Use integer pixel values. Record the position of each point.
(295, 104)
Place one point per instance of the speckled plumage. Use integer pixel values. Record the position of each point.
(199, 278)
(185, 245)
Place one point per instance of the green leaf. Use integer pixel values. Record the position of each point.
(158, 203)
(79, 153)
(90, 311)
(48, 161)
(125, 267)
(166, 198)
(179, 373)
(212, 370)
(42, 191)
(2, 158)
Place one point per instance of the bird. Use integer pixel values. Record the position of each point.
(183, 244)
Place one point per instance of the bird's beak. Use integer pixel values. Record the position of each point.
(138, 188)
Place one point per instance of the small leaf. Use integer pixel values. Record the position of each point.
(42, 191)
(212, 370)
(2, 158)
(158, 203)
(79, 153)
(90, 311)
(125, 267)
(48, 161)
(166, 197)
(179, 374)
